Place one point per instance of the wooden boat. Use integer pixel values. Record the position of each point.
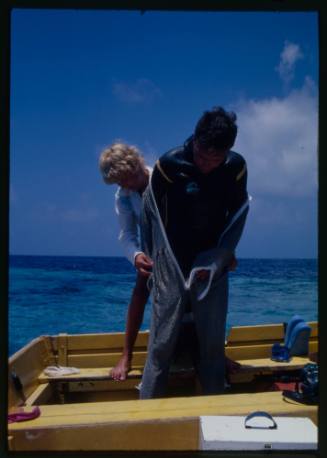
(90, 411)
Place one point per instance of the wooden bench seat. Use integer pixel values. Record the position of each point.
(267, 364)
(88, 374)
(248, 345)
(249, 368)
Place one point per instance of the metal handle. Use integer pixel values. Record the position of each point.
(260, 414)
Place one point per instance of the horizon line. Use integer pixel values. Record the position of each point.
(124, 257)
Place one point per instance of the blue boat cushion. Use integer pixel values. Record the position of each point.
(289, 329)
(296, 341)
(299, 339)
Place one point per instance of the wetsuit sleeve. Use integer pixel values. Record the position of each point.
(237, 210)
(218, 258)
(238, 192)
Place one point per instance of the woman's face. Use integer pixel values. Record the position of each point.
(136, 180)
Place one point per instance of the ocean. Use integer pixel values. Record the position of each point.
(56, 294)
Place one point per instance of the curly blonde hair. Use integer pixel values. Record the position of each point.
(119, 161)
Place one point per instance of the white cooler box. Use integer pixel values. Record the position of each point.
(230, 433)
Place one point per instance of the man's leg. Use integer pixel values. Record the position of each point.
(210, 319)
(187, 345)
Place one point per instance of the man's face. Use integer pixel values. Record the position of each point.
(207, 160)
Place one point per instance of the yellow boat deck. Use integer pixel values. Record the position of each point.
(107, 424)
(78, 412)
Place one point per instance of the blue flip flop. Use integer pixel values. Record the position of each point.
(280, 353)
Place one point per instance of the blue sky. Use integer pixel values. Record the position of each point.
(83, 79)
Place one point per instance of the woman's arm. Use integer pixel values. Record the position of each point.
(134, 320)
(129, 234)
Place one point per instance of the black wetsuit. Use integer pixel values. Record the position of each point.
(195, 207)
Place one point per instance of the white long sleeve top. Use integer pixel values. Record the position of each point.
(128, 206)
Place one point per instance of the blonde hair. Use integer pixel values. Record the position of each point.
(119, 161)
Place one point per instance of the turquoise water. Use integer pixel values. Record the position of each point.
(49, 295)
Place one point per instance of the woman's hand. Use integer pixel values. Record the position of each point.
(119, 372)
(143, 264)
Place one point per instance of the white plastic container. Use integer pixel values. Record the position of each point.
(229, 433)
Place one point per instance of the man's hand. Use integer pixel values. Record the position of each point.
(202, 274)
(233, 264)
(143, 264)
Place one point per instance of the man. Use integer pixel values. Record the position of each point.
(123, 165)
(194, 213)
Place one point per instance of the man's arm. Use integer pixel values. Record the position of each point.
(133, 323)
(220, 257)
(238, 193)
(237, 210)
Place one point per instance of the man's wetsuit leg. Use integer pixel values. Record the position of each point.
(210, 319)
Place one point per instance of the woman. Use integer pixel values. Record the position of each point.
(123, 165)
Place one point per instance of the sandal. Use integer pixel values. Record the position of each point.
(24, 416)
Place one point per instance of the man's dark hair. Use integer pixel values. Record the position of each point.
(216, 129)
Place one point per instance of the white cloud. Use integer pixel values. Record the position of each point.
(278, 138)
(141, 91)
(282, 213)
(288, 58)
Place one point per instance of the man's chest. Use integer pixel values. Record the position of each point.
(206, 192)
